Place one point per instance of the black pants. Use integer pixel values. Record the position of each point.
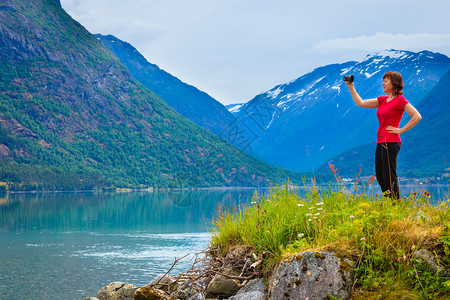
(386, 168)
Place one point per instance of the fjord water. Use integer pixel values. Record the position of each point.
(69, 245)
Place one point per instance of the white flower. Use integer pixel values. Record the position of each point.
(351, 217)
(311, 207)
(320, 208)
(317, 214)
(320, 203)
(362, 239)
(300, 205)
(309, 220)
(308, 214)
(300, 235)
(253, 202)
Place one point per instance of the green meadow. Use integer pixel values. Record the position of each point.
(377, 233)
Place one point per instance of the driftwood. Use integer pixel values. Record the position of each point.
(205, 265)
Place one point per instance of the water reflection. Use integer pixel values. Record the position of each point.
(69, 245)
(157, 212)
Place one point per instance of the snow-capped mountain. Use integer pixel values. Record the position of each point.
(301, 124)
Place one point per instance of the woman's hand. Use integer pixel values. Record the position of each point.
(392, 129)
(349, 84)
(415, 118)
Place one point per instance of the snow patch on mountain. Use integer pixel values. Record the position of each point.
(346, 70)
(391, 54)
(274, 93)
(368, 75)
(234, 108)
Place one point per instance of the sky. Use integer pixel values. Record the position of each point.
(236, 49)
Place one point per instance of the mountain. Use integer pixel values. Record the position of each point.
(233, 107)
(301, 124)
(73, 117)
(186, 99)
(425, 148)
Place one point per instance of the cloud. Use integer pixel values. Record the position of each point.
(381, 41)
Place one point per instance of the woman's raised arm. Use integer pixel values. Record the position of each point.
(370, 103)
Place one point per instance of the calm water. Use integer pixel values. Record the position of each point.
(69, 245)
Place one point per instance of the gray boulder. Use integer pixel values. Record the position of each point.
(254, 285)
(223, 286)
(430, 261)
(253, 290)
(312, 275)
(117, 291)
(250, 296)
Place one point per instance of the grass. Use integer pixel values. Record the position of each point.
(377, 233)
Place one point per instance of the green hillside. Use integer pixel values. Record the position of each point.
(72, 117)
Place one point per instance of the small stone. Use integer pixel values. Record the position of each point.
(222, 286)
(148, 293)
(116, 291)
(249, 296)
(254, 285)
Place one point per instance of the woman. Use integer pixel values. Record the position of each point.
(389, 113)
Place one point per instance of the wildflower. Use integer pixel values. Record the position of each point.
(299, 204)
(308, 215)
(253, 202)
(320, 203)
(363, 239)
(319, 208)
(317, 214)
(352, 217)
(309, 220)
(311, 207)
(364, 205)
(300, 235)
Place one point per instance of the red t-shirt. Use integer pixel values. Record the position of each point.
(389, 113)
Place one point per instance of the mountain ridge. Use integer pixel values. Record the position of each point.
(73, 117)
(196, 105)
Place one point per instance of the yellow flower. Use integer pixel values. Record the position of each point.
(365, 205)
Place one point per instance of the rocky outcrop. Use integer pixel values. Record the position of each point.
(308, 275)
(312, 275)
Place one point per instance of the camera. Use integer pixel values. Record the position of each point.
(349, 78)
